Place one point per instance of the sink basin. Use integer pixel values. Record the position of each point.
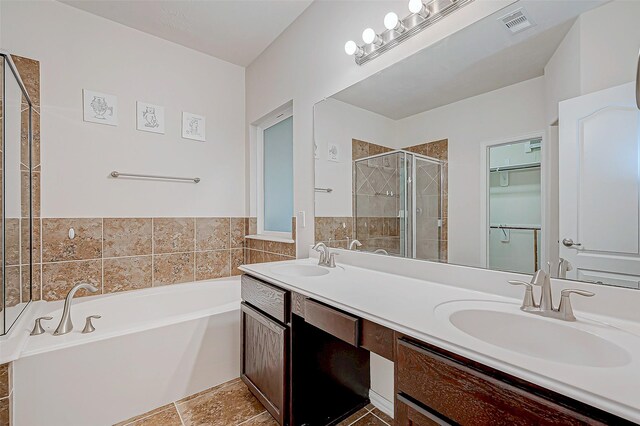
(300, 270)
(509, 328)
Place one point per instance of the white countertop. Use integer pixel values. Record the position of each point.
(408, 305)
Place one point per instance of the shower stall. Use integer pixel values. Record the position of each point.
(398, 205)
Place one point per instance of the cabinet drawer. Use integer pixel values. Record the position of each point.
(469, 397)
(339, 324)
(410, 413)
(269, 299)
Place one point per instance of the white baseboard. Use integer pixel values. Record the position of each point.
(381, 403)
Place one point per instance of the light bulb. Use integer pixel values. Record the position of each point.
(350, 47)
(390, 21)
(416, 6)
(368, 35)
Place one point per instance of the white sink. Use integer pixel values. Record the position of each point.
(505, 326)
(300, 270)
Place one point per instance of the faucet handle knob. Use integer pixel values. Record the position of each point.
(528, 304)
(37, 327)
(88, 326)
(565, 307)
(331, 262)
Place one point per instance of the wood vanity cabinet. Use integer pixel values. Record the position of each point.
(265, 345)
(435, 387)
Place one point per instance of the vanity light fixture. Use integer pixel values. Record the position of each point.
(423, 14)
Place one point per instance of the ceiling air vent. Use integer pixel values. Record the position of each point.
(517, 21)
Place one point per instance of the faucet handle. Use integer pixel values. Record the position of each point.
(565, 309)
(37, 327)
(528, 304)
(331, 262)
(88, 326)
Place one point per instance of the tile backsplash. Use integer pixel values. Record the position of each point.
(119, 254)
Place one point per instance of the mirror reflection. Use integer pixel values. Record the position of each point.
(502, 148)
(15, 135)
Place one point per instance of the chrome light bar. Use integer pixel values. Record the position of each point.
(424, 15)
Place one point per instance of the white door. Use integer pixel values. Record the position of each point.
(599, 186)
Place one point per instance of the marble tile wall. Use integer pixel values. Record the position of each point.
(5, 394)
(260, 251)
(119, 254)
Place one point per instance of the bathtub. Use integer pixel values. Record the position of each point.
(150, 347)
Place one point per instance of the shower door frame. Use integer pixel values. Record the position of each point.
(415, 196)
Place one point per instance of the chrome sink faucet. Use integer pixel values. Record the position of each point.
(545, 307)
(327, 258)
(66, 325)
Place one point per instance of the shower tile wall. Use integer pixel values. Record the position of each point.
(119, 254)
(428, 244)
(17, 229)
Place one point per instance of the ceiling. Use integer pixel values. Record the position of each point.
(478, 59)
(232, 30)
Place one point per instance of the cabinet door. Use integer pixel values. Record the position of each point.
(264, 360)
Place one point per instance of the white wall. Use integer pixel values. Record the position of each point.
(336, 122)
(504, 115)
(78, 50)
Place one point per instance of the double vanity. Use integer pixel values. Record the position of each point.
(464, 352)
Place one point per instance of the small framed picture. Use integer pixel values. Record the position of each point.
(193, 126)
(149, 117)
(100, 108)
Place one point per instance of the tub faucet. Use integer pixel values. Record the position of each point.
(66, 325)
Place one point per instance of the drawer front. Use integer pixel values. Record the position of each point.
(269, 299)
(469, 397)
(264, 360)
(377, 339)
(339, 324)
(410, 413)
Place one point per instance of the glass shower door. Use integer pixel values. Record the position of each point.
(380, 203)
(427, 212)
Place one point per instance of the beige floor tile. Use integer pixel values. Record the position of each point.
(263, 419)
(225, 406)
(163, 416)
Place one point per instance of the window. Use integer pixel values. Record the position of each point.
(275, 175)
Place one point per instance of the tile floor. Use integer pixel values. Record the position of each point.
(231, 404)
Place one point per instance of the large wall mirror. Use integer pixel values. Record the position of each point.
(513, 149)
(17, 233)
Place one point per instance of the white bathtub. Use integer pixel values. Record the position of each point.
(150, 347)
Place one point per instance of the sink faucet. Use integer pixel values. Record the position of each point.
(66, 325)
(327, 258)
(354, 245)
(545, 307)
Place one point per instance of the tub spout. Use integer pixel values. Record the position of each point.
(66, 325)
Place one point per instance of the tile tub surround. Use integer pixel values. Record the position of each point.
(228, 404)
(231, 404)
(5, 394)
(261, 250)
(120, 254)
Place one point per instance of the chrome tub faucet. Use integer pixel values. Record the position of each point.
(66, 325)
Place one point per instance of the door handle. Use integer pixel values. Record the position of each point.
(568, 242)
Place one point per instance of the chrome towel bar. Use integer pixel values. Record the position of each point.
(116, 174)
